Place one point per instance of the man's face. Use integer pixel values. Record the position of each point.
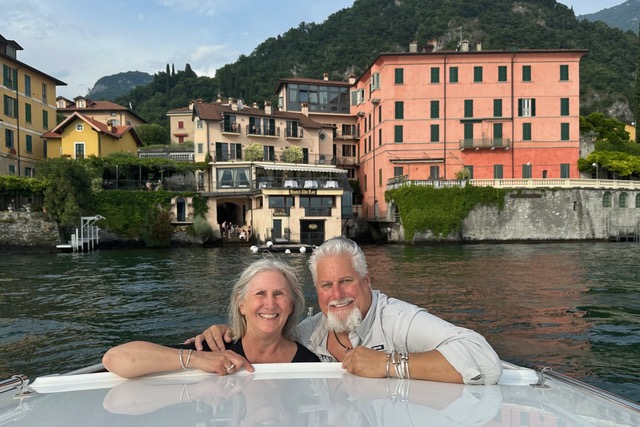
(341, 290)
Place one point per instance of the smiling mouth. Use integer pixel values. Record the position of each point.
(269, 316)
(341, 304)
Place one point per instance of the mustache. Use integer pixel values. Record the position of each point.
(340, 302)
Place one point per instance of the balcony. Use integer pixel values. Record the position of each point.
(269, 132)
(292, 133)
(233, 128)
(485, 143)
(346, 134)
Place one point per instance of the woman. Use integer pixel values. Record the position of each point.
(266, 305)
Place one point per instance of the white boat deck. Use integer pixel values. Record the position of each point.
(309, 394)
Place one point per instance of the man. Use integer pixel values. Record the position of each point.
(376, 336)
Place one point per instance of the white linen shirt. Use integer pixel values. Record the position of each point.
(392, 324)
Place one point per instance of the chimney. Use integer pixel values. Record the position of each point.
(464, 47)
(413, 46)
(352, 79)
(267, 107)
(255, 105)
(234, 105)
(305, 109)
(109, 125)
(479, 47)
(325, 77)
(191, 105)
(219, 99)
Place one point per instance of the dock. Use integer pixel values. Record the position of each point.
(84, 239)
(283, 247)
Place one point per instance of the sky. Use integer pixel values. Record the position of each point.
(80, 41)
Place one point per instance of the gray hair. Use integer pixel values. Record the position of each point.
(339, 246)
(237, 321)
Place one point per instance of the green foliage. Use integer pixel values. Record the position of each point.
(68, 193)
(605, 128)
(161, 230)
(619, 163)
(127, 212)
(441, 211)
(201, 228)
(292, 154)
(254, 152)
(12, 186)
(200, 207)
(463, 174)
(153, 134)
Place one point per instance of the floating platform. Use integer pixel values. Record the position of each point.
(286, 248)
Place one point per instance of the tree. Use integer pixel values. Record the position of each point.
(292, 154)
(637, 92)
(254, 152)
(68, 193)
(152, 134)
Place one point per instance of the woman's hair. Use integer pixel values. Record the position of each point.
(237, 321)
(339, 246)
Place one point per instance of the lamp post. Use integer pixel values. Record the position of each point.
(595, 165)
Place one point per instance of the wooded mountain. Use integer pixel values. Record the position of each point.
(111, 87)
(625, 16)
(351, 38)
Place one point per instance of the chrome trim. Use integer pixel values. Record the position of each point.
(16, 381)
(551, 374)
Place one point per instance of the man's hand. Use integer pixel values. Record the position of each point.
(365, 362)
(215, 336)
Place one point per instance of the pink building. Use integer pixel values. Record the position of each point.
(488, 114)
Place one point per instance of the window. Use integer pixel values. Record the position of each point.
(468, 107)
(397, 133)
(502, 73)
(349, 150)
(564, 131)
(606, 199)
(9, 77)
(399, 76)
(375, 81)
(469, 170)
(497, 108)
(434, 172)
(380, 177)
(526, 170)
(638, 200)
(380, 114)
(357, 97)
(435, 75)
(293, 129)
(498, 171)
(565, 170)
(28, 172)
(79, 150)
(399, 110)
(29, 144)
(399, 171)
(477, 74)
(44, 93)
(45, 119)
(468, 133)
(564, 106)
(564, 73)
(27, 112)
(10, 106)
(281, 204)
(497, 134)
(453, 75)
(380, 137)
(229, 124)
(200, 148)
(12, 169)
(269, 153)
(316, 205)
(226, 151)
(526, 73)
(622, 200)
(198, 123)
(526, 131)
(365, 183)
(180, 124)
(233, 178)
(526, 107)
(8, 138)
(435, 110)
(79, 127)
(435, 133)
(27, 85)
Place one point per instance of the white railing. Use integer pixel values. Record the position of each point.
(526, 183)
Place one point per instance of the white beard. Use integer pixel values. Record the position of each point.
(344, 325)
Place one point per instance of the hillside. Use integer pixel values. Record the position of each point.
(625, 16)
(352, 38)
(111, 87)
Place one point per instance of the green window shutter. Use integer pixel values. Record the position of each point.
(497, 172)
(564, 131)
(435, 75)
(453, 75)
(565, 170)
(477, 74)
(27, 113)
(435, 133)
(468, 107)
(45, 119)
(564, 106)
(526, 73)
(497, 131)
(397, 132)
(399, 110)
(435, 109)
(564, 73)
(399, 76)
(497, 108)
(502, 73)
(468, 131)
(526, 131)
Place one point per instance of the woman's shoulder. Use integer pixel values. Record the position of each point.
(303, 354)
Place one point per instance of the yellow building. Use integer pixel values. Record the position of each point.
(28, 111)
(181, 126)
(79, 136)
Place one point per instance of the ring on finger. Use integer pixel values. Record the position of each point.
(231, 367)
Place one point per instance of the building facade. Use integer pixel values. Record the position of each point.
(444, 115)
(28, 111)
(102, 111)
(180, 125)
(269, 172)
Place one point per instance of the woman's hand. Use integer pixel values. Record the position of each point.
(215, 336)
(221, 362)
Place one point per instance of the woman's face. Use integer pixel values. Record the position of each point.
(268, 303)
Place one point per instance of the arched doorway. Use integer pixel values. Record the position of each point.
(181, 210)
(229, 212)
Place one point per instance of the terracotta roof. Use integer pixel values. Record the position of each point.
(114, 131)
(94, 105)
(215, 111)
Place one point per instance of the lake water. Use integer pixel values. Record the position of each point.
(574, 307)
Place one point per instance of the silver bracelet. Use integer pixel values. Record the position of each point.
(388, 365)
(186, 365)
(180, 358)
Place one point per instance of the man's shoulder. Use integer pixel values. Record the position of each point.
(392, 306)
(306, 327)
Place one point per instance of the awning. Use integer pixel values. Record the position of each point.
(301, 168)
